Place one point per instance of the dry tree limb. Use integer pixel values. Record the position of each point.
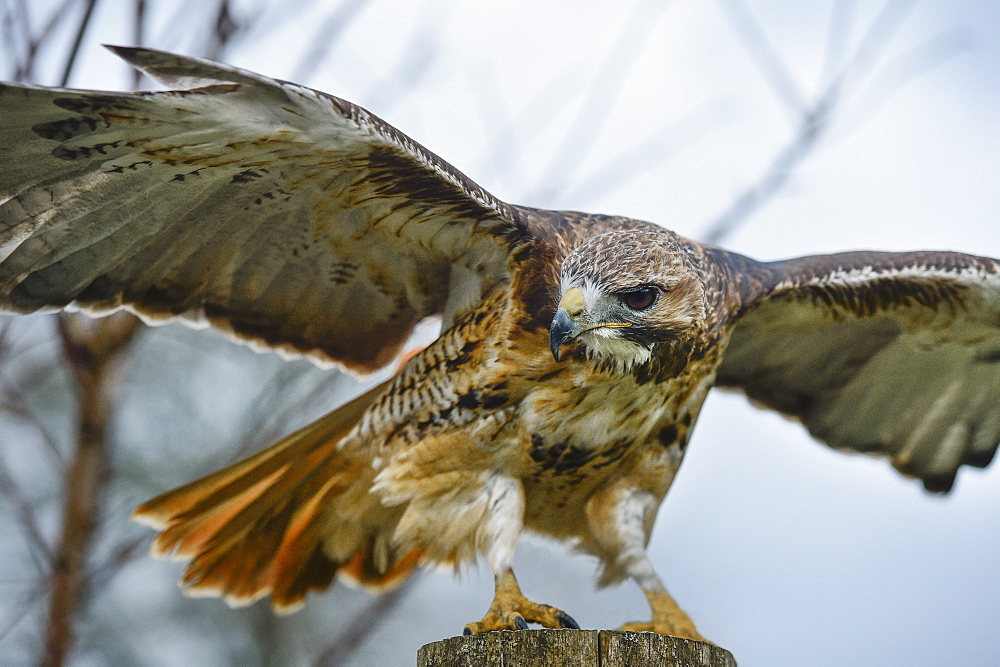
(94, 350)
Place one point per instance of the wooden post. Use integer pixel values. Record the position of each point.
(604, 648)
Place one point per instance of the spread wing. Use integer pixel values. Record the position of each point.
(283, 215)
(895, 354)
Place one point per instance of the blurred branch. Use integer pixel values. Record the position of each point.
(224, 27)
(15, 26)
(420, 53)
(325, 38)
(903, 69)
(815, 119)
(771, 65)
(352, 635)
(138, 37)
(26, 514)
(263, 424)
(775, 176)
(25, 68)
(20, 608)
(597, 105)
(93, 350)
(103, 572)
(651, 150)
(838, 30)
(15, 403)
(74, 50)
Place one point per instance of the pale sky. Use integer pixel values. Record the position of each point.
(782, 550)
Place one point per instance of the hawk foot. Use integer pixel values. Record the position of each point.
(513, 611)
(668, 619)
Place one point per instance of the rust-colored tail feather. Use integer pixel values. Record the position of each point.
(258, 526)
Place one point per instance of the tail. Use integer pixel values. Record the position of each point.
(282, 522)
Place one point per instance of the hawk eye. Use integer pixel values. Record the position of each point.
(640, 298)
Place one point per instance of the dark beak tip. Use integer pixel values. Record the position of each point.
(560, 331)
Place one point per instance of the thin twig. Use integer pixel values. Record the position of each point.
(814, 123)
(325, 38)
(138, 37)
(223, 29)
(17, 404)
(74, 51)
(363, 624)
(26, 514)
(771, 65)
(421, 51)
(648, 153)
(22, 607)
(773, 178)
(100, 574)
(597, 105)
(838, 31)
(25, 69)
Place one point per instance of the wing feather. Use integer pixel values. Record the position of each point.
(894, 354)
(280, 214)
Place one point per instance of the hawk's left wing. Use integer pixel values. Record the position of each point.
(280, 214)
(895, 354)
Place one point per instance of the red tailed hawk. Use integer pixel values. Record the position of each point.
(574, 355)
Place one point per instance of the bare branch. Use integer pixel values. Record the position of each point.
(224, 28)
(16, 404)
(26, 514)
(23, 607)
(421, 51)
(325, 38)
(92, 348)
(596, 106)
(126, 552)
(814, 123)
(138, 37)
(74, 51)
(363, 624)
(838, 31)
(773, 178)
(903, 69)
(14, 24)
(765, 56)
(262, 425)
(649, 152)
(882, 29)
(26, 68)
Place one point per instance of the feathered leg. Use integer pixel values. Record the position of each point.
(621, 519)
(510, 610)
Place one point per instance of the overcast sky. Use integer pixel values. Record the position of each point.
(783, 551)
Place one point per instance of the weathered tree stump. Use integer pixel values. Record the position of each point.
(607, 648)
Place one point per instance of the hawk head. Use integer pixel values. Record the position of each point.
(624, 294)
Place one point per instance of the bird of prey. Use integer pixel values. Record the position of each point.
(574, 354)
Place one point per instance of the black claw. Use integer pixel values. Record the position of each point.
(467, 631)
(567, 621)
(520, 623)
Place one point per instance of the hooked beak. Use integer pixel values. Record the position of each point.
(564, 325)
(563, 328)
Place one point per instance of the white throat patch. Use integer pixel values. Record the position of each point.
(607, 345)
